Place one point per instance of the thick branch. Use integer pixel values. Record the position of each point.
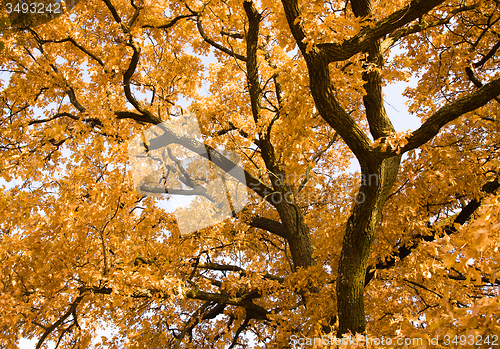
(268, 225)
(216, 310)
(362, 8)
(292, 13)
(253, 310)
(232, 34)
(112, 9)
(361, 41)
(295, 230)
(252, 39)
(120, 115)
(452, 111)
(198, 190)
(380, 124)
(403, 251)
(74, 101)
(147, 115)
(126, 83)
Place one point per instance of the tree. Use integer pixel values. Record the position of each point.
(408, 247)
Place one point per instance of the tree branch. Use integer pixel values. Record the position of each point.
(322, 89)
(213, 43)
(171, 136)
(252, 38)
(461, 277)
(170, 23)
(112, 9)
(268, 225)
(74, 101)
(56, 324)
(255, 311)
(402, 32)
(126, 83)
(360, 42)
(77, 45)
(238, 331)
(57, 116)
(450, 112)
(193, 321)
(232, 35)
(403, 251)
(490, 54)
(379, 122)
(475, 81)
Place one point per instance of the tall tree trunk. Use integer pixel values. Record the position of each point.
(358, 240)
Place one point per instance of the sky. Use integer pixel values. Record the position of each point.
(397, 109)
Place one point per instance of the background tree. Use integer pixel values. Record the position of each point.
(295, 88)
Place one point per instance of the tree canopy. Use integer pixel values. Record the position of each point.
(407, 247)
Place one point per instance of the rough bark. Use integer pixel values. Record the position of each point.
(367, 210)
(358, 239)
(365, 217)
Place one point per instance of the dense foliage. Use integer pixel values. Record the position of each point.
(407, 247)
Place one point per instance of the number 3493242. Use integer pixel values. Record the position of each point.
(33, 7)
